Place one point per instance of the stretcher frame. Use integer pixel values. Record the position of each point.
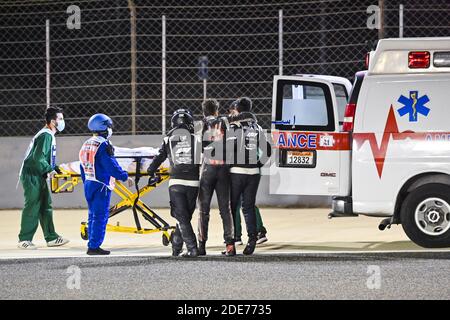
(67, 181)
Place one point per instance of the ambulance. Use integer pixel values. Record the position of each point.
(379, 147)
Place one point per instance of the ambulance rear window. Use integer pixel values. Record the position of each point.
(304, 106)
(354, 94)
(341, 98)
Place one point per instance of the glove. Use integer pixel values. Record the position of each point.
(51, 173)
(58, 170)
(153, 179)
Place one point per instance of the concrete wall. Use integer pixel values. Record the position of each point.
(13, 150)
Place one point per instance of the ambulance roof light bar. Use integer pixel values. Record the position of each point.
(441, 59)
(410, 55)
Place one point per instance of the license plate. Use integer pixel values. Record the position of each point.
(300, 158)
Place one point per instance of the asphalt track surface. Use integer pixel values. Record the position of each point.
(307, 257)
(382, 275)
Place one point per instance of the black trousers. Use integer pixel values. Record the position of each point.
(183, 200)
(215, 178)
(245, 187)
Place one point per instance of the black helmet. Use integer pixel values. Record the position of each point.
(243, 104)
(182, 117)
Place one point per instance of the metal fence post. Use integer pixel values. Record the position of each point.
(280, 42)
(381, 29)
(47, 61)
(163, 80)
(205, 85)
(132, 8)
(400, 21)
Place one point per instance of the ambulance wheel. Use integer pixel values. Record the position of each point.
(425, 216)
(84, 231)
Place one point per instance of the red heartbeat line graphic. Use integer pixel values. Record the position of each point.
(379, 152)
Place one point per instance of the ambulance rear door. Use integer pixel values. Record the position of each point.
(312, 155)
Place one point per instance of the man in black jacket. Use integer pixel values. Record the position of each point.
(236, 212)
(216, 174)
(251, 151)
(215, 177)
(183, 148)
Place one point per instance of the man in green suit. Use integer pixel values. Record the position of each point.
(39, 162)
(262, 232)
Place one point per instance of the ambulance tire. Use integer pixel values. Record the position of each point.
(407, 215)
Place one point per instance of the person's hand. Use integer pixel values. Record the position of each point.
(130, 182)
(49, 174)
(233, 112)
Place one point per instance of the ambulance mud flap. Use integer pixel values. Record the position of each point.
(342, 207)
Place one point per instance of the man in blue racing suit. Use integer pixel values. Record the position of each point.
(99, 169)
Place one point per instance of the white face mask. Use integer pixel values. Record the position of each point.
(60, 125)
(110, 132)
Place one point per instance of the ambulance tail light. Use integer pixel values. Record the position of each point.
(419, 60)
(367, 60)
(349, 117)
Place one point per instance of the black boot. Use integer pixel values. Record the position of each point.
(97, 252)
(190, 253)
(250, 247)
(176, 252)
(202, 248)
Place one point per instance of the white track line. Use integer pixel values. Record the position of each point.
(168, 254)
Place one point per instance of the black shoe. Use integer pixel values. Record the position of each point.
(202, 248)
(261, 238)
(230, 250)
(98, 252)
(176, 252)
(193, 253)
(250, 247)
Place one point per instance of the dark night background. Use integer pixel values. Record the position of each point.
(91, 67)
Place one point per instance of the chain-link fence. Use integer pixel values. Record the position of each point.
(114, 63)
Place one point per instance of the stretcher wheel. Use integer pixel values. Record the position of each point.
(165, 240)
(84, 231)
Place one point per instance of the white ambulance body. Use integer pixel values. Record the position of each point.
(391, 156)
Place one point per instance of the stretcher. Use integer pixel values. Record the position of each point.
(135, 161)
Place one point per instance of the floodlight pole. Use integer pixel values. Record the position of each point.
(47, 61)
(400, 21)
(163, 80)
(132, 8)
